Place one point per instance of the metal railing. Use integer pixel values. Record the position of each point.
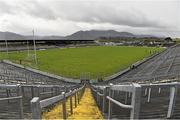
(135, 89)
(22, 93)
(19, 98)
(172, 97)
(37, 105)
(105, 97)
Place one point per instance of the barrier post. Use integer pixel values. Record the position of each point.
(145, 92)
(75, 99)
(173, 95)
(22, 89)
(19, 93)
(135, 101)
(104, 100)
(32, 91)
(110, 104)
(71, 104)
(38, 91)
(126, 97)
(64, 106)
(149, 95)
(97, 99)
(7, 94)
(78, 97)
(35, 108)
(159, 91)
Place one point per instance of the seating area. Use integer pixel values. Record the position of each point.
(149, 90)
(159, 96)
(164, 66)
(10, 73)
(134, 101)
(19, 85)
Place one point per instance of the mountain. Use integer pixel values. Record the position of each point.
(80, 35)
(95, 34)
(10, 36)
(53, 37)
(15, 36)
(148, 36)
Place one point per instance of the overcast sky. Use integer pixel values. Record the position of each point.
(63, 17)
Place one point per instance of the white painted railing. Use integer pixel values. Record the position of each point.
(37, 105)
(20, 93)
(20, 104)
(18, 97)
(173, 93)
(135, 90)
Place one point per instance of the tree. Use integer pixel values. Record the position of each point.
(168, 39)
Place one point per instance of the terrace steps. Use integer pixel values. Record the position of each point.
(87, 109)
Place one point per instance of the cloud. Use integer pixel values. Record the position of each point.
(90, 12)
(29, 7)
(104, 13)
(4, 8)
(36, 9)
(67, 16)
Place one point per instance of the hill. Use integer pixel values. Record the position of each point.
(80, 35)
(10, 36)
(95, 34)
(15, 36)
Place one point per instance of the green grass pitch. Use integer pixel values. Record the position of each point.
(96, 61)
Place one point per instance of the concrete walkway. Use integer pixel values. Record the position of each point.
(87, 109)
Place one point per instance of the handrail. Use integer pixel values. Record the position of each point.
(37, 105)
(100, 94)
(31, 85)
(161, 85)
(44, 86)
(126, 88)
(134, 90)
(144, 85)
(43, 93)
(50, 101)
(94, 90)
(9, 85)
(11, 98)
(119, 103)
(20, 104)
